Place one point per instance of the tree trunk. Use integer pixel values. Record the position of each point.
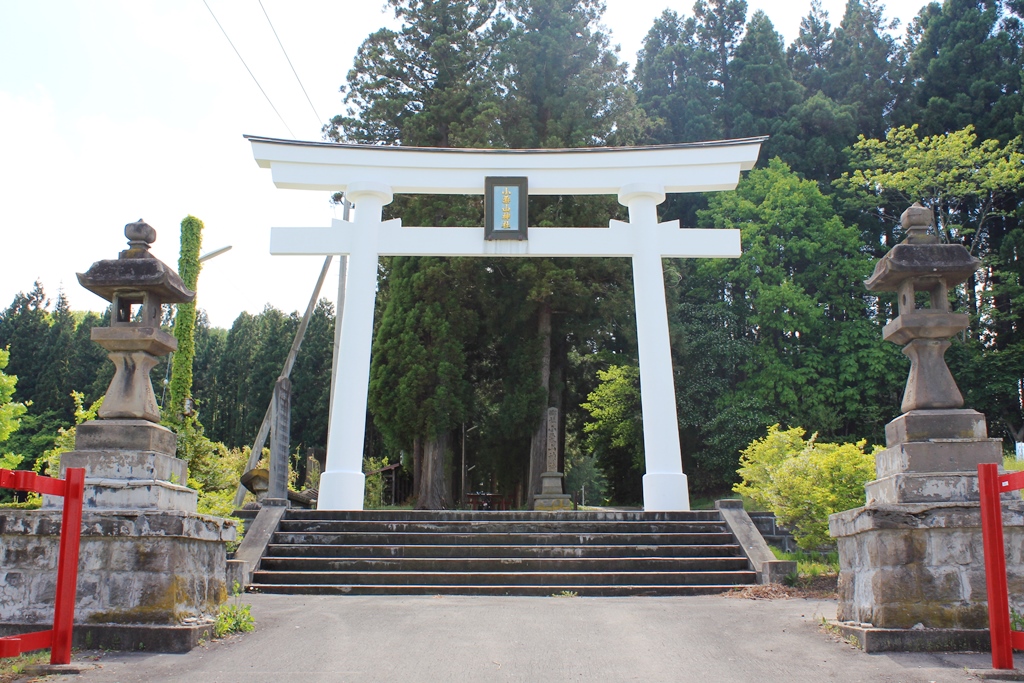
(538, 444)
(433, 489)
(417, 464)
(971, 290)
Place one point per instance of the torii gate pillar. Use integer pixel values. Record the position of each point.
(639, 177)
(342, 483)
(664, 482)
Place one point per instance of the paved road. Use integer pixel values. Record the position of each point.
(536, 640)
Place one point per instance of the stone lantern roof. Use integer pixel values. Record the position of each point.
(136, 270)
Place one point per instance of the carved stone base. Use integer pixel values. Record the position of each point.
(129, 465)
(551, 483)
(932, 457)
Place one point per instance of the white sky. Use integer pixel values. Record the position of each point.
(112, 110)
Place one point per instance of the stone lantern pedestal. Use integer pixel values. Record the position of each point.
(912, 556)
(152, 571)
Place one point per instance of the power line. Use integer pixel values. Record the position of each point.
(318, 118)
(248, 69)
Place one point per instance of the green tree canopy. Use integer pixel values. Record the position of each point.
(958, 177)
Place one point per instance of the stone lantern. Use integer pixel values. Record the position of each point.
(912, 556)
(137, 285)
(921, 264)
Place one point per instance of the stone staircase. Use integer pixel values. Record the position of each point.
(418, 552)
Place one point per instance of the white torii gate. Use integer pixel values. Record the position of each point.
(639, 176)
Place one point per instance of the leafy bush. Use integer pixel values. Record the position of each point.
(213, 468)
(373, 497)
(803, 481)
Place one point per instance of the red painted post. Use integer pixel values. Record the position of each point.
(67, 567)
(58, 639)
(995, 566)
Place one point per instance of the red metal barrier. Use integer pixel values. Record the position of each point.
(58, 639)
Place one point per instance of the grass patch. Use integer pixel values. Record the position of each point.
(234, 616)
(815, 571)
(808, 564)
(13, 668)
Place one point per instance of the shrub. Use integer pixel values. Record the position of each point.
(803, 481)
(373, 496)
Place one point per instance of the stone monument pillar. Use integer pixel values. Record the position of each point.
(147, 559)
(912, 556)
(551, 496)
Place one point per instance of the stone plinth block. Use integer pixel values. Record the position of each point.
(943, 487)
(135, 567)
(551, 502)
(125, 435)
(138, 494)
(551, 483)
(922, 425)
(551, 496)
(903, 565)
(126, 465)
(938, 455)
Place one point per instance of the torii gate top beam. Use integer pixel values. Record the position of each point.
(686, 167)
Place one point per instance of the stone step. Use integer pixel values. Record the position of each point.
(426, 538)
(563, 590)
(500, 527)
(502, 516)
(458, 552)
(498, 551)
(507, 578)
(619, 565)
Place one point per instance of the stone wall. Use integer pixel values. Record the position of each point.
(142, 567)
(902, 565)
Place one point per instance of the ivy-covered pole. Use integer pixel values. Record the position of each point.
(185, 319)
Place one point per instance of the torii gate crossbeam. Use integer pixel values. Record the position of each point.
(639, 176)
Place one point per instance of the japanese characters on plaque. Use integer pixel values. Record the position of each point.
(506, 202)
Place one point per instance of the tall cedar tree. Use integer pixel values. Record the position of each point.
(418, 376)
(672, 78)
(865, 66)
(966, 65)
(424, 85)
(565, 88)
(761, 86)
(810, 55)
